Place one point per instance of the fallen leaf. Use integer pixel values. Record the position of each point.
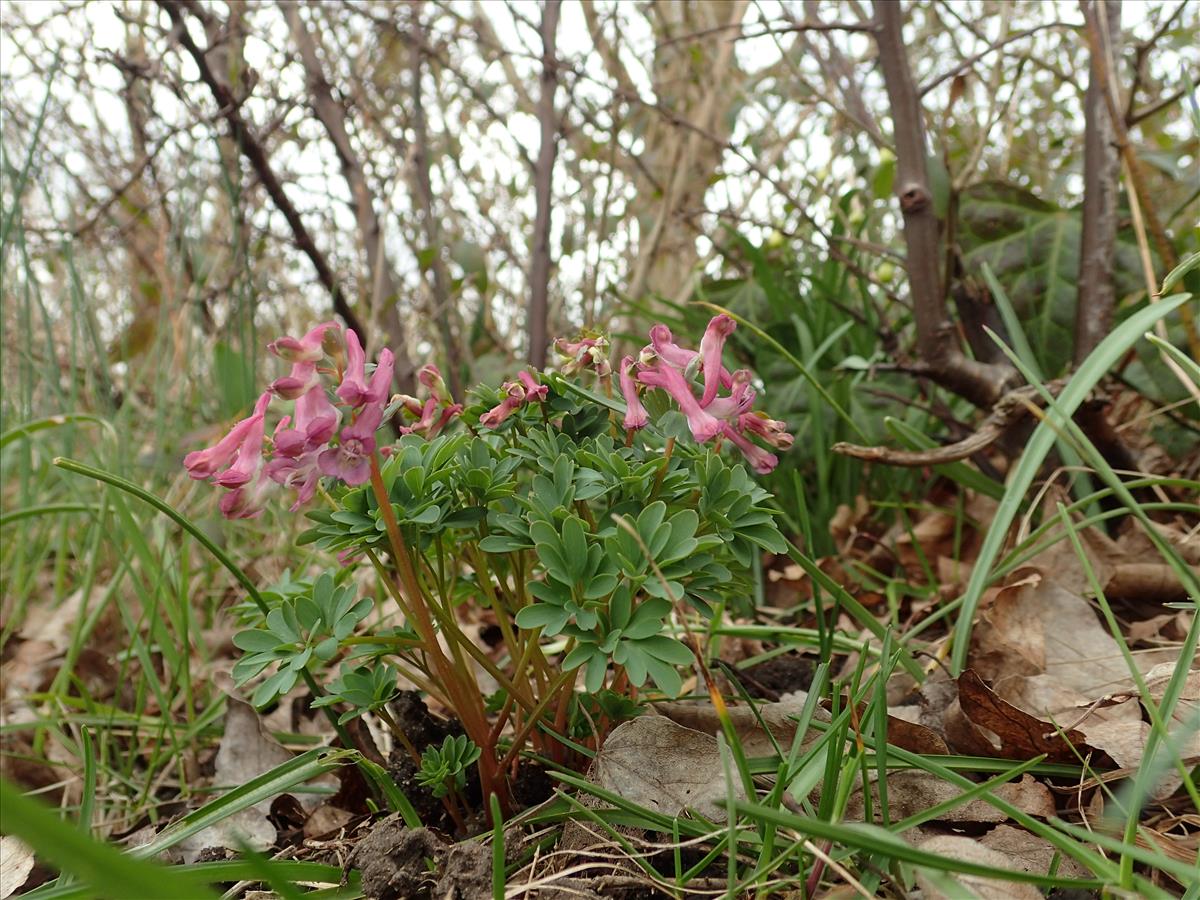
(1040, 628)
(326, 820)
(245, 752)
(911, 792)
(16, 862)
(1019, 735)
(778, 716)
(656, 763)
(1030, 853)
(968, 850)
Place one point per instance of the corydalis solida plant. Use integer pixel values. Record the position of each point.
(528, 511)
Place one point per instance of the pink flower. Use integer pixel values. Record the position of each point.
(380, 384)
(760, 460)
(533, 390)
(206, 463)
(431, 377)
(583, 353)
(245, 476)
(316, 421)
(635, 413)
(245, 502)
(516, 394)
(711, 345)
(300, 473)
(667, 350)
(308, 349)
(513, 400)
(739, 401)
(772, 431)
(353, 389)
(429, 423)
(302, 379)
(350, 460)
(704, 426)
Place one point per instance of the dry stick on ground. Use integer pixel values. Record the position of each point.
(257, 157)
(1008, 411)
(1096, 291)
(539, 270)
(423, 186)
(362, 200)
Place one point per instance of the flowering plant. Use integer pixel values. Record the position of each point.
(587, 530)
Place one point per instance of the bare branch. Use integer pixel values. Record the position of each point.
(981, 383)
(543, 177)
(423, 187)
(991, 48)
(331, 115)
(257, 157)
(1101, 167)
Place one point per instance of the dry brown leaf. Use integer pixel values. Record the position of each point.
(1030, 853)
(656, 763)
(16, 862)
(911, 792)
(1019, 735)
(1037, 627)
(969, 850)
(326, 820)
(778, 717)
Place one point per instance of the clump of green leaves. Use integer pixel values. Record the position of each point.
(444, 769)
(362, 689)
(306, 627)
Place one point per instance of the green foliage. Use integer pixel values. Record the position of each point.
(444, 769)
(543, 500)
(304, 628)
(363, 689)
(1032, 246)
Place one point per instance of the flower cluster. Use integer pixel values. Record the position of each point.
(516, 394)
(585, 353)
(307, 444)
(333, 434)
(678, 371)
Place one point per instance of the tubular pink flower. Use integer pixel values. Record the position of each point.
(353, 389)
(316, 421)
(302, 379)
(350, 460)
(664, 345)
(380, 384)
(246, 502)
(635, 413)
(760, 460)
(206, 463)
(301, 474)
(514, 397)
(582, 354)
(310, 348)
(249, 452)
(772, 431)
(431, 377)
(662, 375)
(711, 345)
(429, 423)
(739, 401)
(533, 390)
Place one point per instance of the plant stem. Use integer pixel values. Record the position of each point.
(464, 701)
